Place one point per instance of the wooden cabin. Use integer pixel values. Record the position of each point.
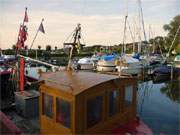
(85, 102)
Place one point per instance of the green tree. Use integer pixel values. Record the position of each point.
(55, 48)
(48, 48)
(159, 44)
(39, 47)
(13, 47)
(172, 28)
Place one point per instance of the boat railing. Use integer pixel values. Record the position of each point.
(54, 67)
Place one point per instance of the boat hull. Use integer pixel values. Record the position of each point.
(106, 66)
(129, 70)
(86, 66)
(102, 68)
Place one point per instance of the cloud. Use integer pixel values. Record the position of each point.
(102, 20)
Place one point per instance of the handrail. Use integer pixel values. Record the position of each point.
(41, 62)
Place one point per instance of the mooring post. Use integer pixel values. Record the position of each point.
(172, 71)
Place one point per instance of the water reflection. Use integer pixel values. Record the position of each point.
(171, 90)
(158, 106)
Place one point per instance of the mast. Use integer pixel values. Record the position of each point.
(141, 21)
(75, 45)
(139, 32)
(124, 34)
(124, 37)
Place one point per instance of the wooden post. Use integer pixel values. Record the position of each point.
(70, 59)
(172, 71)
(21, 75)
(36, 54)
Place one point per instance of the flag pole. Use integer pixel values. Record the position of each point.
(25, 14)
(36, 35)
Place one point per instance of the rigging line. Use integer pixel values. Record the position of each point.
(69, 36)
(141, 13)
(173, 41)
(130, 31)
(83, 38)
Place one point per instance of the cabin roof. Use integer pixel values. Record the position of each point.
(74, 82)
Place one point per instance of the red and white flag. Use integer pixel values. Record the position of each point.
(26, 16)
(41, 28)
(22, 37)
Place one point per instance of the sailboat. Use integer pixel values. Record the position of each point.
(127, 64)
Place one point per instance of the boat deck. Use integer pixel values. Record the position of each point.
(27, 126)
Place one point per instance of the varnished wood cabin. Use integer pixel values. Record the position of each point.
(85, 102)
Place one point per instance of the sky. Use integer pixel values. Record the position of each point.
(102, 21)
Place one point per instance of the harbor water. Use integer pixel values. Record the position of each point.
(159, 106)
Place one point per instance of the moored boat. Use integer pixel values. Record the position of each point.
(129, 65)
(85, 64)
(106, 63)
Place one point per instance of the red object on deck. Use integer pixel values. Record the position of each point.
(7, 127)
(22, 74)
(134, 127)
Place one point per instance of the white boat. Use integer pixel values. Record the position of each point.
(34, 72)
(129, 65)
(106, 64)
(85, 64)
(177, 61)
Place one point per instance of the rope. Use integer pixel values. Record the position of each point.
(173, 41)
(130, 31)
(69, 36)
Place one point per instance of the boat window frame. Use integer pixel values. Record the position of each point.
(42, 105)
(71, 112)
(119, 103)
(91, 96)
(124, 95)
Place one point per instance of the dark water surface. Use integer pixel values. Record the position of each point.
(159, 106)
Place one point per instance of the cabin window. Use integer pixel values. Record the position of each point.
(128, 95)
(94, 111)
(63, 112)
(47, 105)
(113, 102)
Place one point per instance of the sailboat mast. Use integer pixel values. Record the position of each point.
(125, 23)
(124, 37)
(141, 22)
(142, 19)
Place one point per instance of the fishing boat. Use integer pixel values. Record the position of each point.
(106, 63)
(97, 97)
(129, 65)
(72, 93)
(85, 64)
